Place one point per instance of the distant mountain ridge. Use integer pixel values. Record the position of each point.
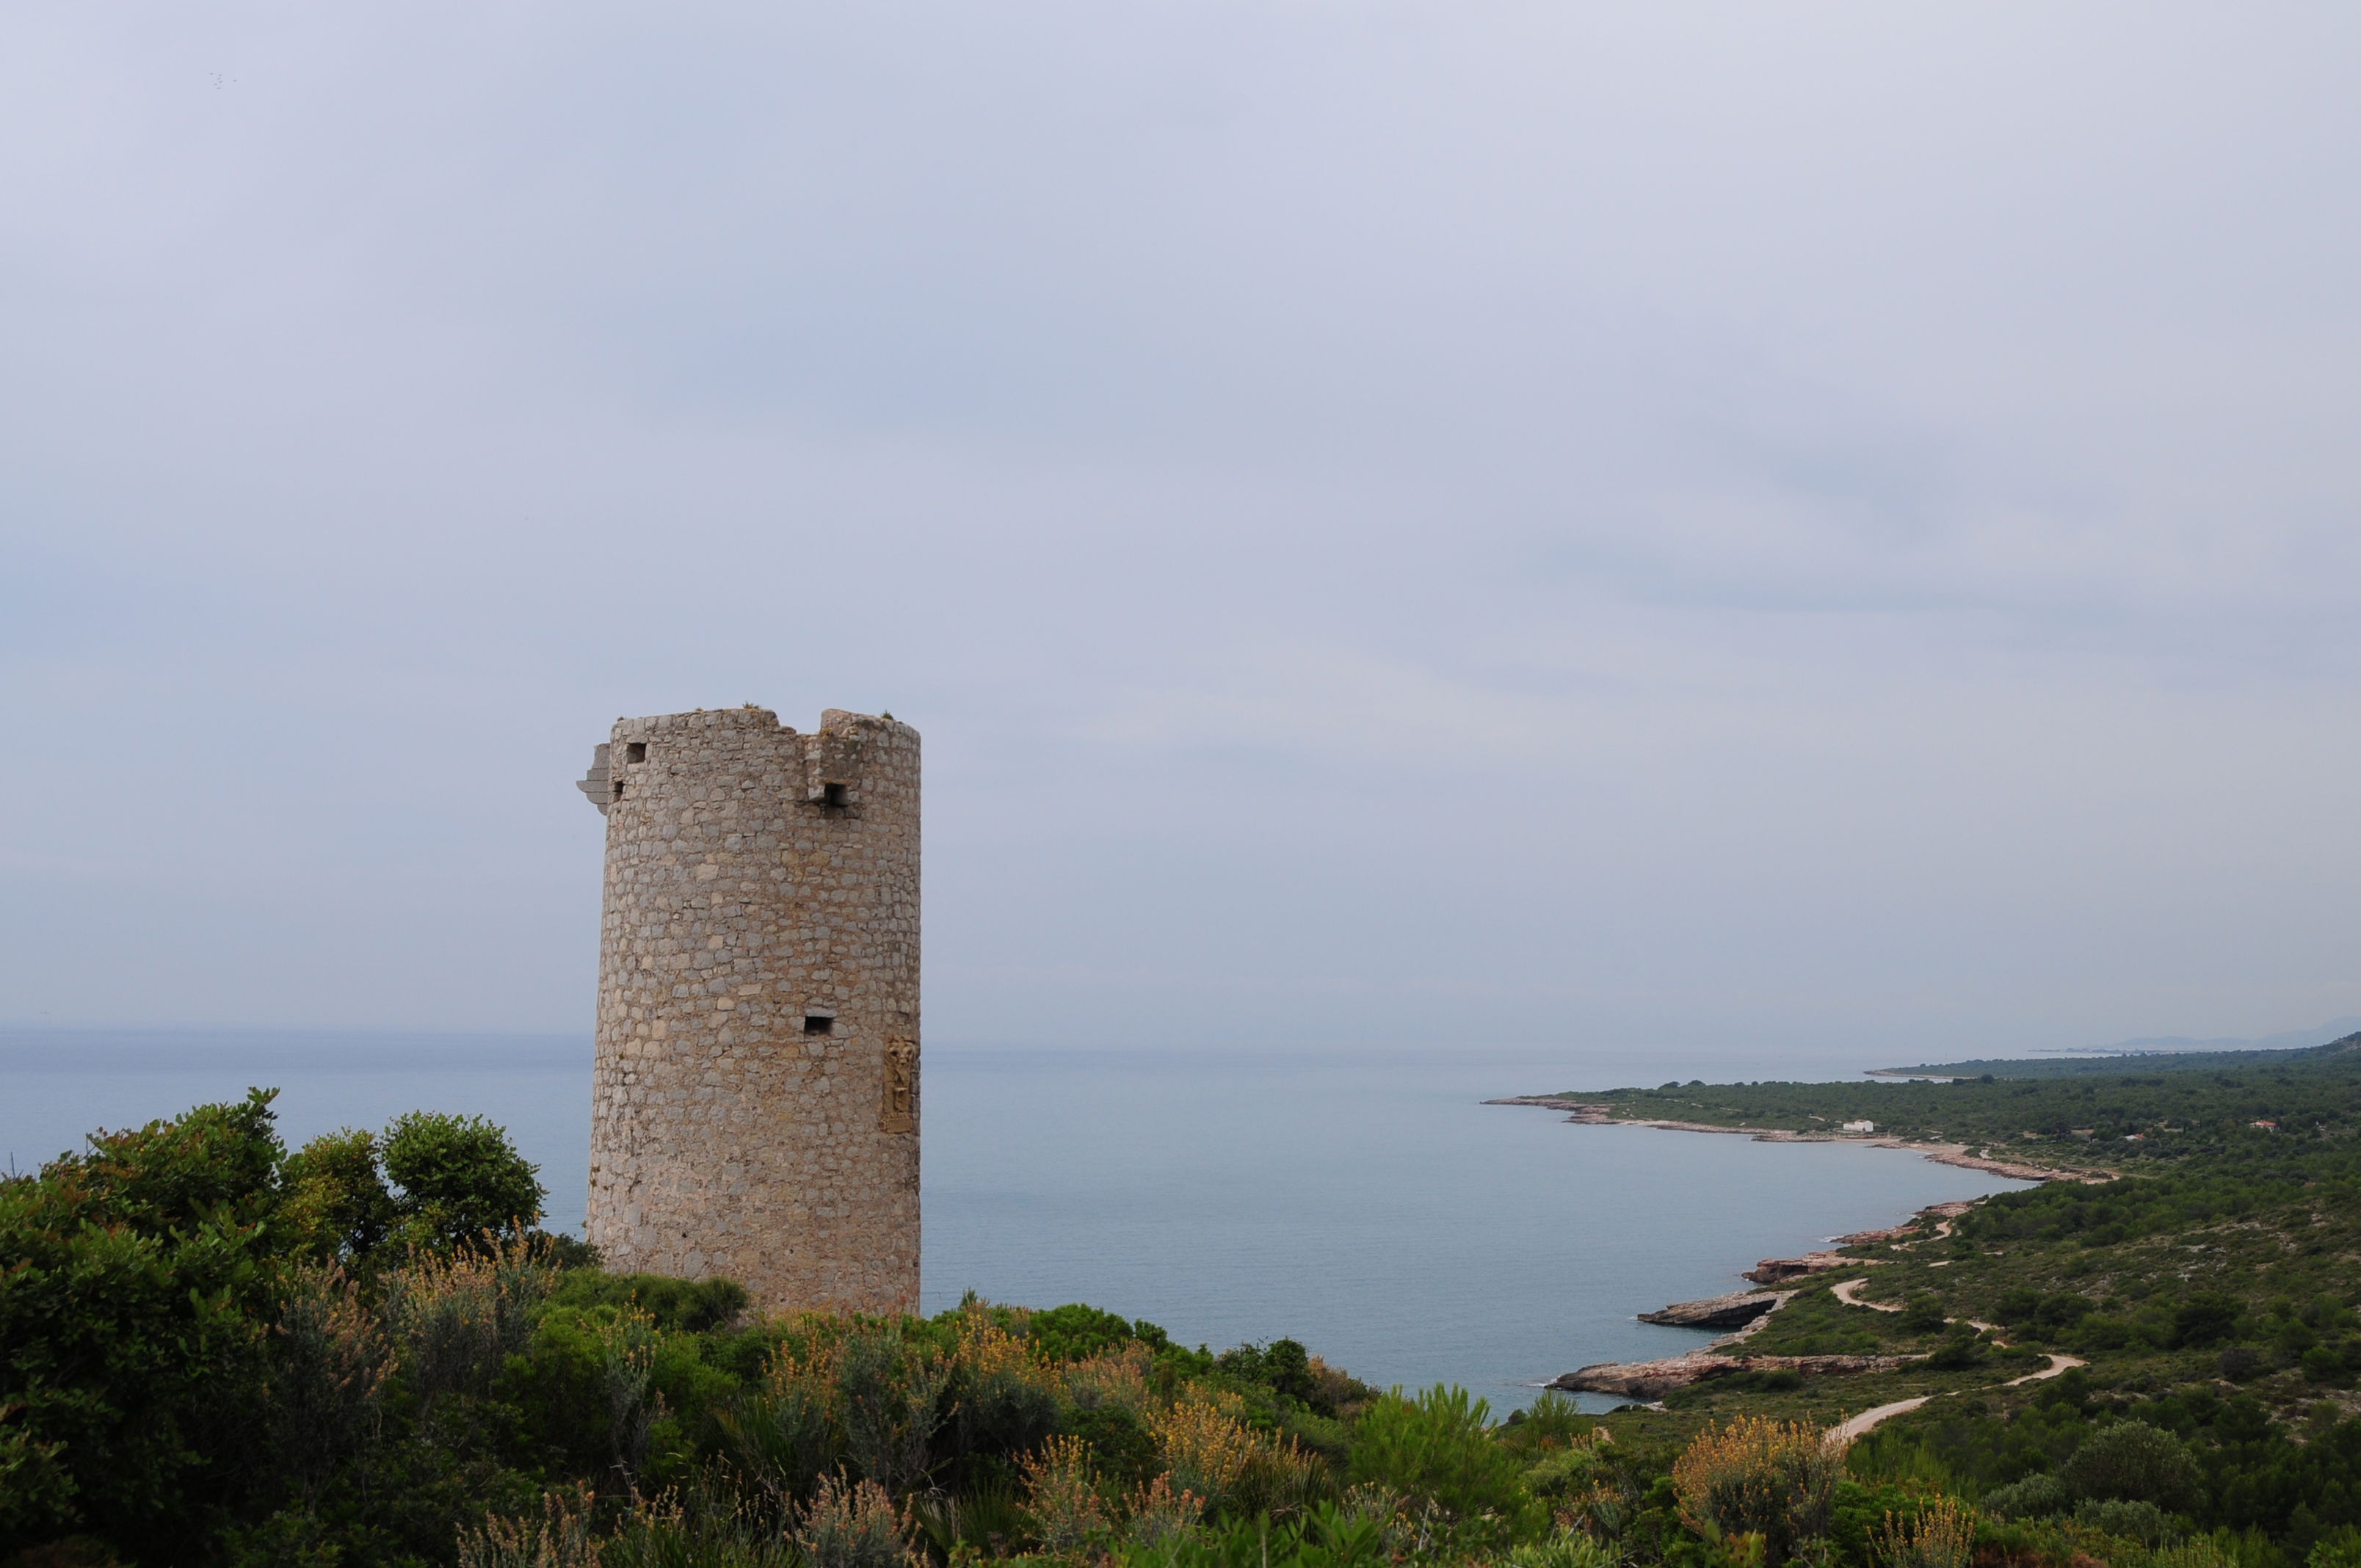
(2289, 1040)
(2148, 1057)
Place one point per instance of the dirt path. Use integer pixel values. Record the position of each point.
(1869, 1419)
(1942, 1229)
(1844, 1293)
(1863, 1423)
(2058, 1365)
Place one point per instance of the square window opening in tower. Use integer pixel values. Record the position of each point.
(819, 1023)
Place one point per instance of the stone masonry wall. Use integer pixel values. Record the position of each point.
(755, 1109)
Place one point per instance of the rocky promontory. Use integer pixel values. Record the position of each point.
(1734, 1311)
(1779, 1270)
(1655, 1380)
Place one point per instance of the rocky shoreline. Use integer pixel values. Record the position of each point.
(1650, 1380)
(1655, 1380)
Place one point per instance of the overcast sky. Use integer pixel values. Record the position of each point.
(1447, 522)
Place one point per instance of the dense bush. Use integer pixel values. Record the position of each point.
(1436, 1449)
(1773, 1479)
(2134, 1462)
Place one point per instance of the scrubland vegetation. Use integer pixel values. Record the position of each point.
(216, 1351)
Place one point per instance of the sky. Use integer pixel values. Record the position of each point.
(1427, 523)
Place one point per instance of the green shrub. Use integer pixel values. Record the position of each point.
(1924, 1315)
(2338, 1548)
(2134, 1462)
(2017, 1306)
(2063, 1310)
(134, 1302)
(1960, 1350)
(686, 1306)
(891, 1386)
(2200, 1553)
(1549, 1420)
(2143, 1522)
(1326, 1537)
(1566, 1549)
(1284, 1365)
(2204, 1319)
(2323, 1363)
(1561, 1474)
(334, 1202)
(1075, 1331)
(1436, 1447)
(2243, 1363)
(2035, 1497)
(460, 1178)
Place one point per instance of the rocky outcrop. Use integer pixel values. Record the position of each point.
(1583, 1111)
(1779, 1270)
(1655, 1380)
(1728, 1311)
(1935, 1211)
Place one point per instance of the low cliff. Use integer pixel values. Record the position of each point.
(1734, 1311)
(1655, 1380)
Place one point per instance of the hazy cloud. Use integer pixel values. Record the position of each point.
(1396, 521)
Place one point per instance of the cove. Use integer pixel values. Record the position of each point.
(1365, 1203)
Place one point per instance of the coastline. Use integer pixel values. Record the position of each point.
(1650, 1380)
(1587, 1113)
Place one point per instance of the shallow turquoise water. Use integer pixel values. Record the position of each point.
(1364, 1202)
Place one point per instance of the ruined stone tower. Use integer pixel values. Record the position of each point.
(755, 1109)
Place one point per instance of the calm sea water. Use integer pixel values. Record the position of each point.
(1364, 1202)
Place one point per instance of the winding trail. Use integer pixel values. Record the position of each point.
(1844, 1293)
(1869, 1421)
(1861, 1425)
(2058, 1364)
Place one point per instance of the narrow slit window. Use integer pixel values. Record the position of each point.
(635, 751)
(832, 795)
(819, 1023)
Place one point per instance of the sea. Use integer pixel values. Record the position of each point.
(1365, 1202)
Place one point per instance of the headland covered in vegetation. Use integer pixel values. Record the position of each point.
(216, 1349)
(2150, 1356)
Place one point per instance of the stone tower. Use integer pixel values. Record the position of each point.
(755, 1109)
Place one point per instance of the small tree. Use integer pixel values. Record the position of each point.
(459, 1177)
(332, 1200)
